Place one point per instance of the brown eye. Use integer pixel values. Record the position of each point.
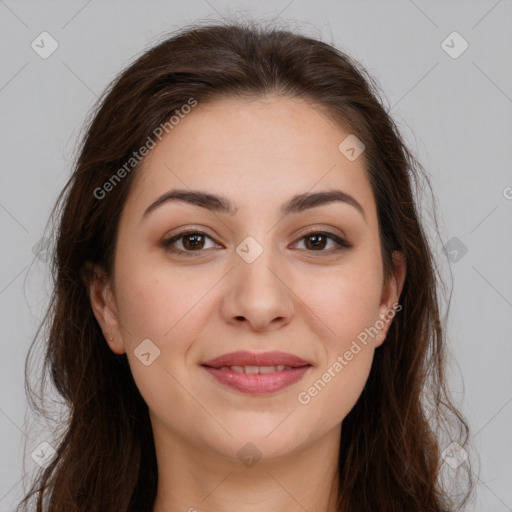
(317, 241)
(190, 241)
(195, 241)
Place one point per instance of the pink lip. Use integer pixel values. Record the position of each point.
(257, 383)
(244, 358)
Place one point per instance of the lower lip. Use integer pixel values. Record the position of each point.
(258, 383)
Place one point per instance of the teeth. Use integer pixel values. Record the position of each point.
(257, 369)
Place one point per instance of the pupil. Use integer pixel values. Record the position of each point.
(195, 243)
(316, 243)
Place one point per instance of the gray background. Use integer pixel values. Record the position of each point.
(455, 114)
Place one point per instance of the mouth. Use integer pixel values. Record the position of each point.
(254, 373)
(256, 369)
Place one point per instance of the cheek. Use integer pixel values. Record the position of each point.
(348, 306)
(346, 363)
(345, 300)
(153, 301)
(334, 392)
(163, 307)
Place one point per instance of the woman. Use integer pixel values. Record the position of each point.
(245, 312)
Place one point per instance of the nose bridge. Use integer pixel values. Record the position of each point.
(258, 290)
(258, 265)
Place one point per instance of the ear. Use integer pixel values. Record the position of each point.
(104, 307)
(391, 291)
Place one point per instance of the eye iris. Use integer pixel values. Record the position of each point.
(196, 243)
(316, 243)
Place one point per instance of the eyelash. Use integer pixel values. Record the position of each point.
(167, 244)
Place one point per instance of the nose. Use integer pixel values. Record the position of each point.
(259, 294)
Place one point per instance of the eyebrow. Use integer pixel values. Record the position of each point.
(220, 204)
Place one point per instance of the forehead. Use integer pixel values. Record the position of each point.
(253, 149)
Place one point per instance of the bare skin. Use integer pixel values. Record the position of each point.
(303, 295)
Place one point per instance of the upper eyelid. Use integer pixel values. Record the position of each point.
(190, 231)
(202, 230)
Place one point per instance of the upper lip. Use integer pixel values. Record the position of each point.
(244, 358)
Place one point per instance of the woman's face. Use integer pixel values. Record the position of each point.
(253, 279)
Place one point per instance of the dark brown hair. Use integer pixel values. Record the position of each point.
(390, 455)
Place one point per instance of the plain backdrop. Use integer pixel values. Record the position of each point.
(454, 110)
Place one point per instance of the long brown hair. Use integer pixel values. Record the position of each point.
(390, 455)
